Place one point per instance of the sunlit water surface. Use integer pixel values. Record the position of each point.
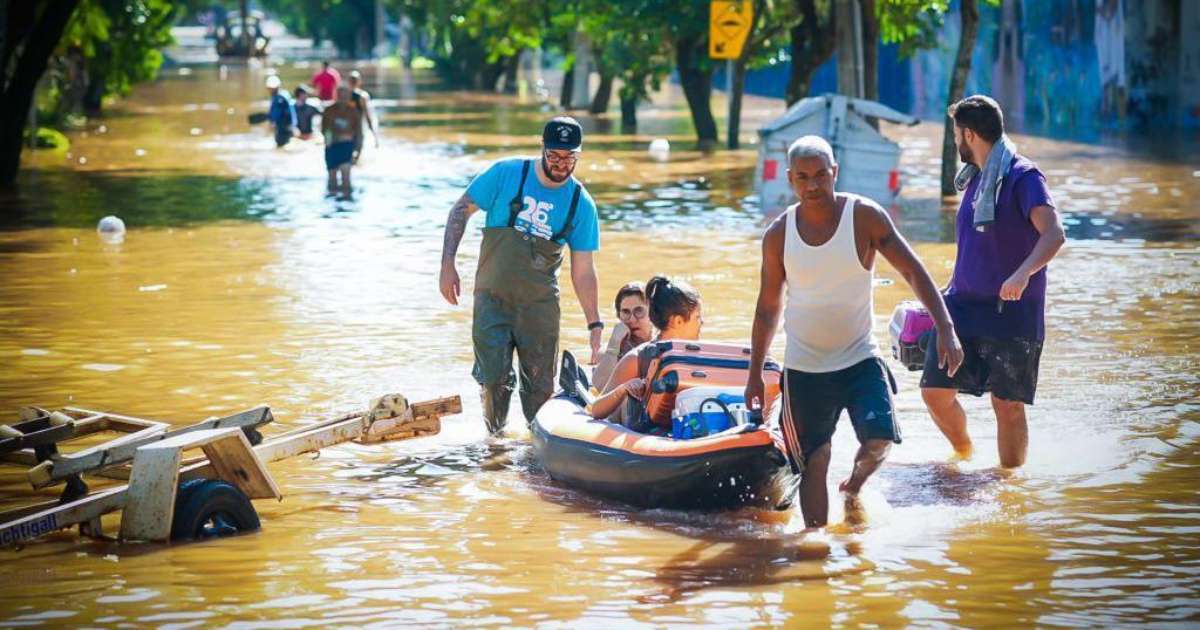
(239, 284)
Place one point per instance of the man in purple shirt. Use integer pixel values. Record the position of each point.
(1008, 231)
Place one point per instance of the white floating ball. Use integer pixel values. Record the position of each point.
(660, 149)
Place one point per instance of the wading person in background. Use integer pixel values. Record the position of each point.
(339, 123)
(326, 80)
(361, 100)
(1008, 231)
(632, 330)
(534, 208)
(305, 112)
(282, 113)
(822, 250)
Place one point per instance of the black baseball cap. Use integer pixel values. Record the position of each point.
(563, 132)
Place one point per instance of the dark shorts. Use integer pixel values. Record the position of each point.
(1008, 368)
(337, 154)
(283, 135)
(813, 401)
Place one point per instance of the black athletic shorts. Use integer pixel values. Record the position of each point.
(813, 401)
(1008, 368)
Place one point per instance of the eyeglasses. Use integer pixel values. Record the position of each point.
(560, 158)
(635, 313)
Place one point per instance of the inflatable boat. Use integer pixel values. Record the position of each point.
(741, 467)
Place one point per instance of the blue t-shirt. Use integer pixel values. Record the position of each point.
(282, 112)
(543, 210)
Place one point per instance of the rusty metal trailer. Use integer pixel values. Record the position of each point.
(168, 496)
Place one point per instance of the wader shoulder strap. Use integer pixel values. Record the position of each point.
(567, 227)
(518, 201)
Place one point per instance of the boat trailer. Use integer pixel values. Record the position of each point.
(170, 497)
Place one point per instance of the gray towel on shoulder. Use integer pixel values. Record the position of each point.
(995, 169)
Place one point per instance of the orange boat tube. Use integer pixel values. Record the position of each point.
(741, 467)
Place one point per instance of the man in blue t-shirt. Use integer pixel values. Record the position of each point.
(1008, 231)
(535, 208)
(282, 113)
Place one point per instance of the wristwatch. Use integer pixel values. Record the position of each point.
(595, 325)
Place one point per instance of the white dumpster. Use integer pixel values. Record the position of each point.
(868, 162)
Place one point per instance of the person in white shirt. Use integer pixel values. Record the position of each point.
(822, 250)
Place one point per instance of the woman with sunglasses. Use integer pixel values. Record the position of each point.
(675, 310)
(634, 329)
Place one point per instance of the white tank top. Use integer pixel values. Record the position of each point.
(830, 303)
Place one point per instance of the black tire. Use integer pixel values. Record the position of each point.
(211, 508)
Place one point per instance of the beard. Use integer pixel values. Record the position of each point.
(557, 178)
(964, 154)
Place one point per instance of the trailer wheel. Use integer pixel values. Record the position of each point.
(211, 508)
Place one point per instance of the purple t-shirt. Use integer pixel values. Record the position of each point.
(986, 259)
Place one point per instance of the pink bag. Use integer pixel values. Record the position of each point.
(911, 330)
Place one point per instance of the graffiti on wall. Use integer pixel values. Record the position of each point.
(1060, 67)
(1073, 66)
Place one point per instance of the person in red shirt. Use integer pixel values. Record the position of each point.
(326, 81)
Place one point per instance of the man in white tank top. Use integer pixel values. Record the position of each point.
(822, 249)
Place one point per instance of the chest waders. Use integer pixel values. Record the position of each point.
(516, 308)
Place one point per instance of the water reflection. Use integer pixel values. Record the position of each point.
(239, 284)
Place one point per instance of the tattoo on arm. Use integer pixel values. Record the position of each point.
(456, 226)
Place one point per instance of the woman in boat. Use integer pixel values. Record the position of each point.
(633, 330)
(675, 309)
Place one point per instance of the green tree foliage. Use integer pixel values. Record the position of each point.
(121, 43)
(769, 33)
(628, 46)
(913, 24)
(349, 24)
(476, 42)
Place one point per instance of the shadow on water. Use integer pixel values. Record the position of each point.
(742, 548)
(62, 198)
(939, 483)
(753, 562)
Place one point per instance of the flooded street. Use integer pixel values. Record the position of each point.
(239, 284)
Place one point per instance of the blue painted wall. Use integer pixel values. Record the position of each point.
(1042, 59)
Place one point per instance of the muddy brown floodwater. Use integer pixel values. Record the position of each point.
(238, 284)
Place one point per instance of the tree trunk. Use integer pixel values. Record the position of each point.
(737, 83)
(512, 64)
(568, 88)
(41, 35)
(870, 48)
(247, 43)
(603, 94)
(491, 73)
(628, 113)
(735, 100)
(93, 96)
(958, 84)
(813, 43)
(697, 88)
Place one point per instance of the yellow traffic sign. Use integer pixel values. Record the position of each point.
(728, 25)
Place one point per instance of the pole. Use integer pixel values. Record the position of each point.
(380, 21)
(581, 96)
(248, 45)
(849, 48)
(729, 120)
